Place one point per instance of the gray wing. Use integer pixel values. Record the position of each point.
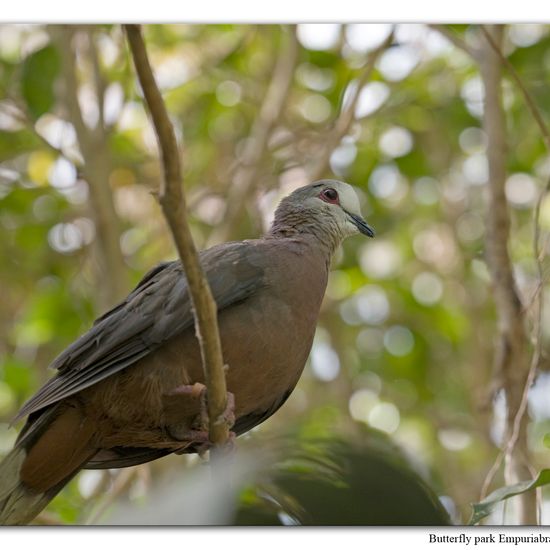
(156, 310)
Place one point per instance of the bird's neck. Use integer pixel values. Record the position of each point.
(323, 235)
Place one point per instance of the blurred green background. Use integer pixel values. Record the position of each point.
(404, 348)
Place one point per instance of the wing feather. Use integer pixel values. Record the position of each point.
(155, 311)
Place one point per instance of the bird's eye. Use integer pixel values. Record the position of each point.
(329, 195)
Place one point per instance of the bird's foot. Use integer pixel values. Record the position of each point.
(198, 436)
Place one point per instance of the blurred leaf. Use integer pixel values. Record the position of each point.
(40, 69)
(482, 509)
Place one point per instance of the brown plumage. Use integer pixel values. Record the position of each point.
(112, 402)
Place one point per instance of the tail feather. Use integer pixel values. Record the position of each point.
(18, 504)
(40, 466)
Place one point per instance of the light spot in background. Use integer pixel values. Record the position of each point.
(62, 174)
(371, 97)
(211, 209)
(453, 439)
(65, 238)
(55, 131)
(132, 240)
(545, 213)
(10, 42)
(372, 304)
(364, 37)
(380, 259)
(228, 93)
(539, 404)
(453, 185)
(436, 44)
(472, 140)
(470, 227)
(113, 103)
(318, 36)
(426, 191)
(472, 93)
(315, 108)
(361, 404)
(325, 363)
(7, 437)
(398, 340)
(87, 229)
(287, 519)
(524, 35)
(427, 288)
(89, 107)
(479, 269)
(343, 156)
(39, 164)
(172, 72)
(385, 417)
(396, 63)
(476, 169)
(315, 78)
(34, 41)
(396, 142)
(521, 190)
(132, 116)
(387, 182)
(108, 49)
(89, 481)
(78, 193)
(9, 120)
(436, 246)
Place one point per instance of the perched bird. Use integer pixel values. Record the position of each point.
(123, 392)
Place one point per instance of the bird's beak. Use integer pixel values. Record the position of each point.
(361, 224)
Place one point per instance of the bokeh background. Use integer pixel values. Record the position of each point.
(402, 363)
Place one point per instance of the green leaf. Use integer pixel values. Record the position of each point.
(484, 508)
(40, 69)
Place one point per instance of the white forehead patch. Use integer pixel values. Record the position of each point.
(348, 198)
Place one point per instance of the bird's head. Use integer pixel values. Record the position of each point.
(328, 209)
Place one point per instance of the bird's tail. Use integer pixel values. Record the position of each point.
(18, 504)
(42, 462)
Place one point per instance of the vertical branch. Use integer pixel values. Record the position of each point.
(173, 205)
(96, 169)
(511, 357)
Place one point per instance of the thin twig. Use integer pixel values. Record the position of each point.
(173, 204)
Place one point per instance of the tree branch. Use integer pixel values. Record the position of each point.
(172, 200)
(526, 95)
(96, 169)
(511, 358)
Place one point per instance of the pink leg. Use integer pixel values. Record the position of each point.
(200, 435)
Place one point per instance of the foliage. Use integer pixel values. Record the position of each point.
(405, 339)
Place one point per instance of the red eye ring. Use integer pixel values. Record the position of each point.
(330, 195)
